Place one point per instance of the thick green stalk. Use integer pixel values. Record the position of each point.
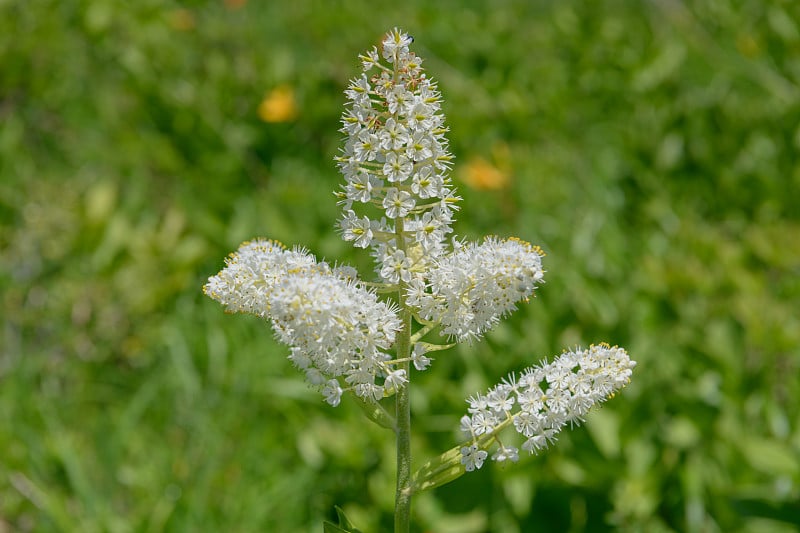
(402, 505)
(402, 510)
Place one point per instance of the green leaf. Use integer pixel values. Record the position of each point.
(343, 520)
(329, 527)
(344, 526)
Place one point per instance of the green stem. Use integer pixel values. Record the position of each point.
(402, 506)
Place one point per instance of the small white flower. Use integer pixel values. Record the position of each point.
(300, 359)
(466, 425)
(415, 292)
(369, 59)
(419, 148)
(472, 457)
(359, 89)
(395, 43)
(477, 403)
(396, 379)
(394, 135)
(397, 99)
(420, 115)
(418, 358)
(366, 146)
(332, 392)
(542, 439)
(498, 399)
(356, 229)
(398, 203)
(506, 454)
(527, 423)
(429, 230)
(359, 187)
(397, 168)
(425, 183)
(369, 391)
(483, 422)
(396, 267)
(530, 396)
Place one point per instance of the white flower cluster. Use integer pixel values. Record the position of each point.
(542, 401)
(395, 159)
(477, 284)
(335, 327)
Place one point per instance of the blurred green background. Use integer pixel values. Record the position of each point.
(651, 148)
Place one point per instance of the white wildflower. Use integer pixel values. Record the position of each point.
(506, 454)
(332, 392)
(418, 358)
(472, 458)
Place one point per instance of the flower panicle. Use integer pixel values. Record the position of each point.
(542, 399)
(336, 328)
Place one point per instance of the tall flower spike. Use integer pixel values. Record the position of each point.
(543, 399)
(395, 160)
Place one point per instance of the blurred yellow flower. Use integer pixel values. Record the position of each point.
(747, 45)
(481, 175)
(182, 20)
(278, 105)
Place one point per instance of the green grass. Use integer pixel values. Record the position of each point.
(652, 152)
